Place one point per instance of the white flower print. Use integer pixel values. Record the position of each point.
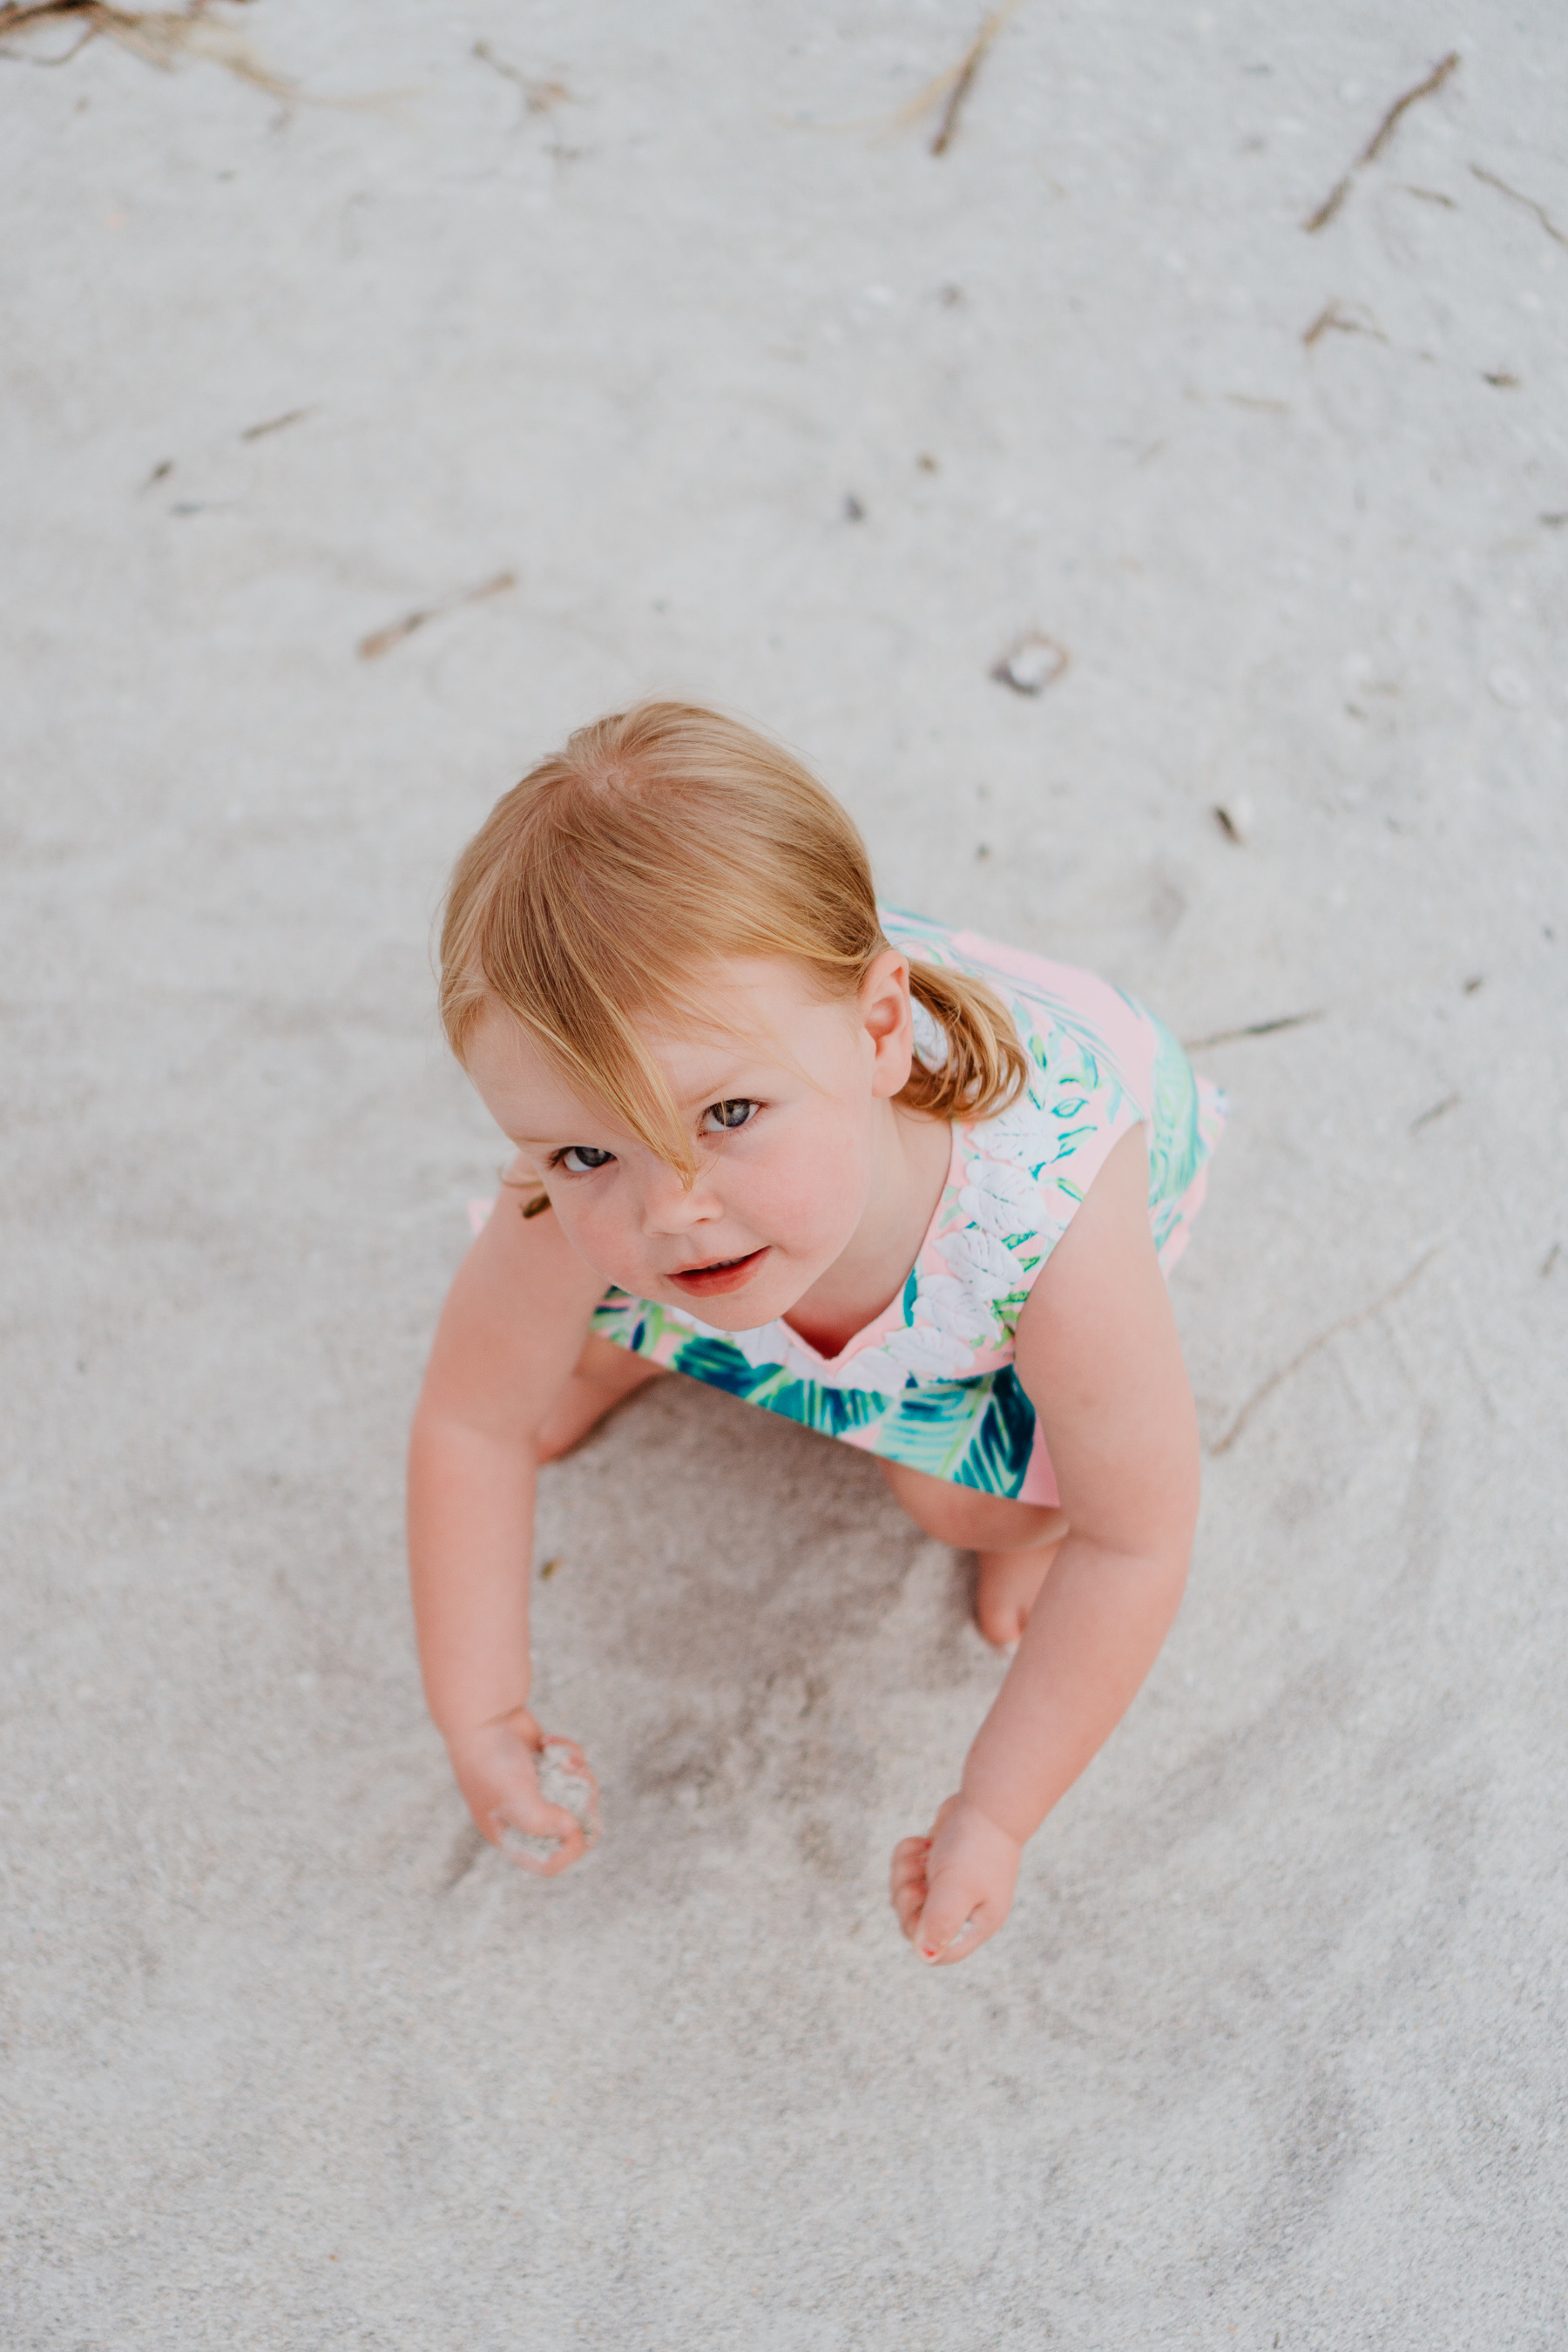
(980, 1264)
(922, 1347)
(999, 1198)
(955, 1310)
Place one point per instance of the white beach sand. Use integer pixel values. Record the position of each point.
(1271, 2053)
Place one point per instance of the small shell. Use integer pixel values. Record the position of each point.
(1033, 663)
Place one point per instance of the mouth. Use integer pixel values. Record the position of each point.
(721, 1275)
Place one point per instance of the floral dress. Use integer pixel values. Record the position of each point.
(931, 1381)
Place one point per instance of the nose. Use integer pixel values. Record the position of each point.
(670, 1210)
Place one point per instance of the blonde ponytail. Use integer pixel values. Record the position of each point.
(985, 1068)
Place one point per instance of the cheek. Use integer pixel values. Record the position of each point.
(811, 1191)
(598, 1232)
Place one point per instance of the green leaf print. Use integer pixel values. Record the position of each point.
(997, 1457)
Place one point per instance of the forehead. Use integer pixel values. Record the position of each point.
(745, 1014)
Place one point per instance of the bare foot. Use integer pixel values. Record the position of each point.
(1008, 1585)
(605, 1374)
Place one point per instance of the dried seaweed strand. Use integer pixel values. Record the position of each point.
(1541, 215)
(381, 641)
(158, 35)
(1379, 138)
(1335, 1331)
(538, 97)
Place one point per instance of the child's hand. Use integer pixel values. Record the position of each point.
(953, 1889)
(497, 1768)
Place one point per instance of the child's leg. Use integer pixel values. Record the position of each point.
(1016, 1542)
(604, 1374)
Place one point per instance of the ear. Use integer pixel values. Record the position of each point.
(888, 1020)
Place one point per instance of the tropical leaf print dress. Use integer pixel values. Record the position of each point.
(930, 1382)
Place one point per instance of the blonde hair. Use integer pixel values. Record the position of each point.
(663, 840)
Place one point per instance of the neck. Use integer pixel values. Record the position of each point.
(910, 1167)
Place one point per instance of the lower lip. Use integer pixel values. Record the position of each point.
(713, 1281)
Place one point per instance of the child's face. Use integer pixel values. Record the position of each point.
(789, 1104)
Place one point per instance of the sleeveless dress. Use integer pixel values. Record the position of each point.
(931, 1381)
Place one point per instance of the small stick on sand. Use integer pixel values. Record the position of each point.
(274, 424)
(1249, 1029)
(1332, 320)
(1335, 1331)
(1541, 215)
(1449, 1102)
(962, 79)
(955, 85)
(381, 641)
(1379, 138)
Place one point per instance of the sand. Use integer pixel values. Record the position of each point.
(803, 419)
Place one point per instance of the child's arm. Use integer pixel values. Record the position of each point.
(1099, 1357)
(511, 1329)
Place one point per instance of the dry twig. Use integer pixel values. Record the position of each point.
(274, 424)
(962, 80)
(1541, 215)
(1250, 1029)
(1335, 1331)
(955, 84)
(1334, 321)
(1449, 1102)
(1379, 138)
(381, 641)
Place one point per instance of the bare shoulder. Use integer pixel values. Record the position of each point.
(1099, 1355)
(514, 1322)
(1107, 1252)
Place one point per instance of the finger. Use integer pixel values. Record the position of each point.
(909, 1856)
(908, 1902)
(908, 1863)
(907, 1884)
(568, 1760)
(547, 1842)
(950, 1916)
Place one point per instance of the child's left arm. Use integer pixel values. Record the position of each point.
(1098, 1354)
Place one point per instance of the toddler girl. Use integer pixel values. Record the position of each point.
(908, 1188)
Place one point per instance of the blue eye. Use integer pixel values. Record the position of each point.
(582, 1158)
(737, 1112)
